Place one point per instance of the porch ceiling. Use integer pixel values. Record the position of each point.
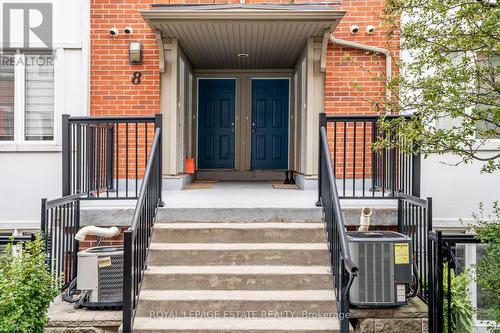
(213, 36)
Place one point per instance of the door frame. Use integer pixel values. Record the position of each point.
(288, 117)
(235, 79)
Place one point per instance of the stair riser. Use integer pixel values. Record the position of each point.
(236, 282)
(238, 257)
(214, 235)
(169, 215)
(239, 308)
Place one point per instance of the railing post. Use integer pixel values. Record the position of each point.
(127, 282)
(430, 281)
(438, 285)
(415, 176)
(110, 158)
(66, 155)
(159, 124)
(43, 228)
(400, 215)
(429, 214)
(322, 123)
(344, 303)
(76, 242)
(374, 172)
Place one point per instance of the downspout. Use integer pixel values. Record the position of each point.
(369, 48)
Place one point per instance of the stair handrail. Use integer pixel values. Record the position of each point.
(337, 209)
(137, 237)
(344, 270)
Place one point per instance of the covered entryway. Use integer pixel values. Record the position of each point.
(242, 87)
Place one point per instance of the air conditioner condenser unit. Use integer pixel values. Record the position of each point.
(384, 259)
(100, 275)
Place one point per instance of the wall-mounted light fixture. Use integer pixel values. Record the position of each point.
(135, 53)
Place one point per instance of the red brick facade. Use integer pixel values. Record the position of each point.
(111, 90)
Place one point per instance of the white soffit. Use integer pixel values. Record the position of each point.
(212, 37)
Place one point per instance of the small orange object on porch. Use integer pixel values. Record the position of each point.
(189, 168)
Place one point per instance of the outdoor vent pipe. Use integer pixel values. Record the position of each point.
(369, 48)
(364, 219)
(96, 231)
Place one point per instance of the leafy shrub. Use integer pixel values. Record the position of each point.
(26, 289)
(487, 229)
(461, 305)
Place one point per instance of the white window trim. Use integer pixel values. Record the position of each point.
(20, 143)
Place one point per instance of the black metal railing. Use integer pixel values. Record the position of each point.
(442, 261)
(137, 238)
(105, 157)
(15, 240)
(60, 221)
(343, 269)
(415, 221)
(361, 171)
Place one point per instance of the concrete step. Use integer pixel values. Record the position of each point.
(239, 232)
(236, 325)
(255, 303)
(240, 215)
(242, 254)
(237, 277)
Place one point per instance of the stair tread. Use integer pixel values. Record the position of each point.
(239, 270)
(246, 295)
(238, 246)
(236, 225)
(254, 324)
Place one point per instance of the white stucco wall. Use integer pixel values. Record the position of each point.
(457, 190)
(29, 172)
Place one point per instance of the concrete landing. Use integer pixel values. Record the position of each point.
(233, 201)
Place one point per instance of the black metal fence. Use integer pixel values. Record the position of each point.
(343, 269)
(442, 260)
(15, 240)
(415, 221)
(105, 157)
(137, 238)
(60, 221)
(362, 172)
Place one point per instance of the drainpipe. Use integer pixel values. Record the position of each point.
(96, 231)
(369, 48)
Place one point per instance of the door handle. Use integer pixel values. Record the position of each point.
(232, 127)
(253, 127)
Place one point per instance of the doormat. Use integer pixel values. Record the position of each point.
(278, 185)
(205, 181)
(199, 185)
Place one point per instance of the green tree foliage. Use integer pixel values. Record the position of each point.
(26, 289)
(487, 229)
(449, 76)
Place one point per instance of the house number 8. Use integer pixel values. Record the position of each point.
(136, 78)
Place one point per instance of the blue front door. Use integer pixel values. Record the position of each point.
(216, 123)
(269, 124)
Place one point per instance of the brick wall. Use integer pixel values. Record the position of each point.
(354, 80)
